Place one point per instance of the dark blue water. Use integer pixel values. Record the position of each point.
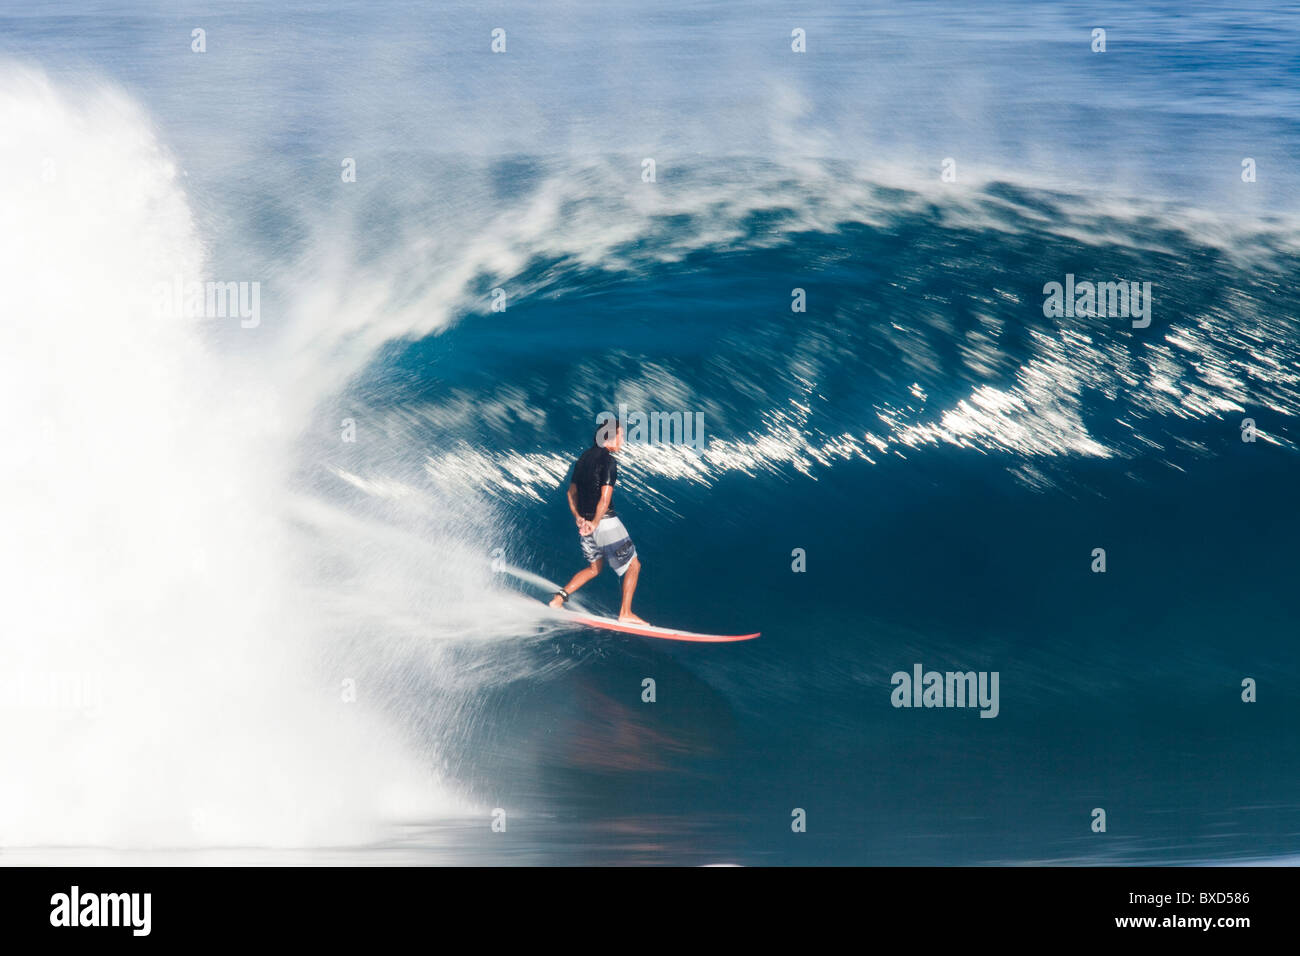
(1120, 690)
(946, 456)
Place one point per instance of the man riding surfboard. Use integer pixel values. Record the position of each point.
(601, 533)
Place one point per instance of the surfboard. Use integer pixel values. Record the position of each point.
(647, 630)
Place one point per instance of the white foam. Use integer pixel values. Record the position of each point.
(143, 492)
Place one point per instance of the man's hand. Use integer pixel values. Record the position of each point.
(585, 527)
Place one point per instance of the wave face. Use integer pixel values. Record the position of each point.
(947, 458)
(251, 597)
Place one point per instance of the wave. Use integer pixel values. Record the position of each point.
(926, 331)
(223, 525)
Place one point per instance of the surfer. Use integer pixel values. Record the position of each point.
(603, 537)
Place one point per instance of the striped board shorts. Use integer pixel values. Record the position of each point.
(610, 541)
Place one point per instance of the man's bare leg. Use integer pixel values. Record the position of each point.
(629, 588)
(579, 579)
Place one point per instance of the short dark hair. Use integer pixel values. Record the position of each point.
(604, 429)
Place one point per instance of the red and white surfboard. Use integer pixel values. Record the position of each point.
(648, 630)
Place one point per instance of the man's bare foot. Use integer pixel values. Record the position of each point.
(630, 618)
(557, 601)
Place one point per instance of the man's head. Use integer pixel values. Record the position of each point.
(609, 434)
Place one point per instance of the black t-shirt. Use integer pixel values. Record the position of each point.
(591, 473)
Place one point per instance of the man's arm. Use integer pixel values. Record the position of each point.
(606, 495)
(584, 527)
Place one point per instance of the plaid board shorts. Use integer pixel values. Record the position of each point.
(610, 541)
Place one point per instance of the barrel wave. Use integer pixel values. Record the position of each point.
(270, 576)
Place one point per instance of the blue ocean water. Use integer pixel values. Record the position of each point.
(945, 456)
